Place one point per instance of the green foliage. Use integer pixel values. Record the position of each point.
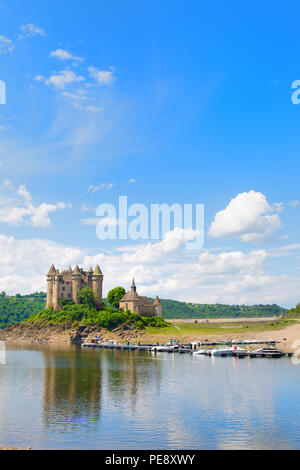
(88, 297)
(115, 295)
(294, 312)
(174, 309)
(109, 318)
(16, 309)
(64, 302)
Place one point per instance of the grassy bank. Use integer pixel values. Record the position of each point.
(183, 331)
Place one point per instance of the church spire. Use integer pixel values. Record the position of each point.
(133, 286)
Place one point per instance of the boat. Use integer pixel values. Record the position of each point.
(109, 344)
(239, 352)
(268, 352)
(200, 352)
(173, 345)
(229, 351)
(222, 352)
(160, 348)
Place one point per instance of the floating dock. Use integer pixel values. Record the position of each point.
(186, 349)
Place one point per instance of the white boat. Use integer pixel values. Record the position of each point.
(109, 343)
(162, 348)
(229, 351)
(221, 352)
(200, 352)
(173, 345)
(239, 352)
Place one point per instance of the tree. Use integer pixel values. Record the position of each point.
(115, 295)
(87, 297)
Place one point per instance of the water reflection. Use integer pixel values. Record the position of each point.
(72, 386)
(74, 381)
(93, 399)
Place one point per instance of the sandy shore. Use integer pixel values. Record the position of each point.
(286, 337)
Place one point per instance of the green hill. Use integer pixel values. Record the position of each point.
(19, 308)
(174, 309)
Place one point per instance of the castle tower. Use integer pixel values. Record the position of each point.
(56, 283)
(158, 307)
(76, 284)
(90, 277)
(97, 281)
(50, 285)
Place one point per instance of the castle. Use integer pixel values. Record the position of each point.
(139, 304)
(68, 284)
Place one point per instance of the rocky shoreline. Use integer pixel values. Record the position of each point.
(39, 333)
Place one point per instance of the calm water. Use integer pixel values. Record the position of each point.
(92, 399)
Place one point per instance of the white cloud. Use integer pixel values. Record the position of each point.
(30, 30)
(104, 77)
(95, 189)
(231, 262)
(248, 216)
(7, 184)
(131, 181)
(85, 208)
(19, 209)
(22, 191)
(285, 250)
(61, 79)
(61, 54)
(6, 45)
(294, 203)
(23, 263)
(161, 268)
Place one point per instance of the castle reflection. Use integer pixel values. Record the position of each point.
(72, 386)
(75, 381)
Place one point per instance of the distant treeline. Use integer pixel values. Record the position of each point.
(20, 307)
(175, 309)
(295, 312)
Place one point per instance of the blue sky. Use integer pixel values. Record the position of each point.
(165, 102)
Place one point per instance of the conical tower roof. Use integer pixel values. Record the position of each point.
(70, 268)
(97, 271)
(52, 270)
(157, 301)
(76, 270)
(91, 270)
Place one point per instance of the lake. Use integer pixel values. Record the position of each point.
(70, 398)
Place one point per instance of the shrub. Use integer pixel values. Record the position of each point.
(115, 295)
(88, 297)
